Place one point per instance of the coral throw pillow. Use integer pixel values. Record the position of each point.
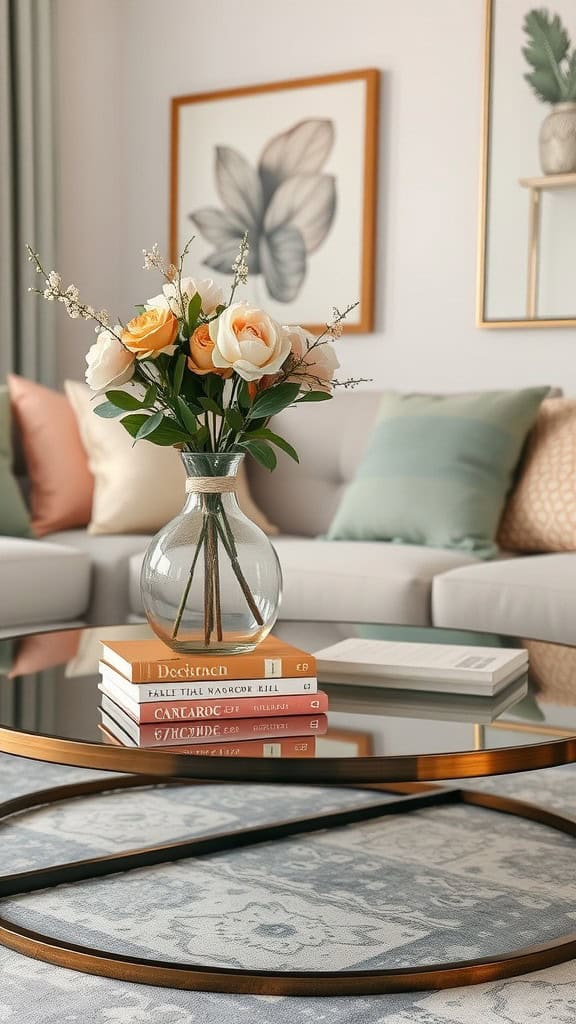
(541, 512)
(60, 480)
(138, 487)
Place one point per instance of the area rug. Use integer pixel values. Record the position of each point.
(448, 883)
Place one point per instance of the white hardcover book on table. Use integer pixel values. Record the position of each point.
(438, 668)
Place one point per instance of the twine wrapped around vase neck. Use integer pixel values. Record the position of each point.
(211, 484)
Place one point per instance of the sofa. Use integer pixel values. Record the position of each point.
(73, 576)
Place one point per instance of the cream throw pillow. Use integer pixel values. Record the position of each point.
(137, 487)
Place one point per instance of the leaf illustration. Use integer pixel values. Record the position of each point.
(548, 44)
(218, 227)
(283, 262)
(548, 39)
(571, 77)
(303, 149)
(306, 202)
(223, 258)
(544, 84)
(239, 187)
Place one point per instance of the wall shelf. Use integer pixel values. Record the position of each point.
(545, 183)
(549, 182)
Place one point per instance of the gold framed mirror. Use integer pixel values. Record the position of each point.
(526, 274)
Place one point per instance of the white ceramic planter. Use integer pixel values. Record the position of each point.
(558, 140)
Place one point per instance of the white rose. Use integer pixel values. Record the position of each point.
(108, 362)
(169, 298)
(248, 341)
(313, 367)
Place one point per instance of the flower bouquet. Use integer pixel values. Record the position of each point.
(205, 375)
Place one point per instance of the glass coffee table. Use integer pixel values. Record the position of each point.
(394, 741)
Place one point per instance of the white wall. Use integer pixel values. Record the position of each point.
(122, 60)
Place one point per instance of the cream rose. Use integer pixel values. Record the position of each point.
(150, 333)
(169, 298)
(108, 361)
(201, 349)
(313, 367)
(248, 341)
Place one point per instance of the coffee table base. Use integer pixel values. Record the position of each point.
(302, 983)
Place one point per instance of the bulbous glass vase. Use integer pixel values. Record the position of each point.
(211, 581)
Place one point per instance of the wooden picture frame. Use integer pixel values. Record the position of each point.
(527, 185)
(294, 163)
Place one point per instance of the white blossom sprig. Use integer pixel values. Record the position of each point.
(153, 260)
(54, 291)
(331, 332)
(335, 327)
(180, 271)
(240, 265)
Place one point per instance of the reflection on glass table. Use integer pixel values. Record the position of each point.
(49, 686)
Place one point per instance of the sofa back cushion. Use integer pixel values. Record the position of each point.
(330, 438)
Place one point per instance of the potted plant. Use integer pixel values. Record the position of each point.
(553, 78)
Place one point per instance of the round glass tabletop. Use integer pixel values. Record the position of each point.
(51, 709)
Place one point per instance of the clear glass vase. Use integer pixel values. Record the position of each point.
(211, 580)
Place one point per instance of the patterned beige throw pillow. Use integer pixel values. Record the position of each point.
(137, 488)
(541, 512)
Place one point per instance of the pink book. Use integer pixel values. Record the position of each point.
(229, 730)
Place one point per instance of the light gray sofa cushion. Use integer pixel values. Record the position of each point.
(340, 580)
(532, 596)
(110, 557)
(42, 582)
(330, 438)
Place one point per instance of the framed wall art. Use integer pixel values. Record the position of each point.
(293, 163)
(527, 221)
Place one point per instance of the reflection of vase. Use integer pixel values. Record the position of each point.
(558, 140)
(211, 579)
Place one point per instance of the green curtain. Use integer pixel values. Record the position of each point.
(27, 188)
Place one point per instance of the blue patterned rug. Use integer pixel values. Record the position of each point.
(448, 883)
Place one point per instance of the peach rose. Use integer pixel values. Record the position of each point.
(313, 367)
(150, 333)
(256, 386)
(248, 341)
(200, 358)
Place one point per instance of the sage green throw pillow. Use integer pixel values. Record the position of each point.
(14, 518)
(437, 470)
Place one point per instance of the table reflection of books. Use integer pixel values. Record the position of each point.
(397, 702)
(276, 745)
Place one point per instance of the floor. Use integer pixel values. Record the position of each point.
(445, 883)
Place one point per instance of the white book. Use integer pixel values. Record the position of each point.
(435, 667)
(207, 689)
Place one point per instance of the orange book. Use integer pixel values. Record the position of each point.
(151, 661)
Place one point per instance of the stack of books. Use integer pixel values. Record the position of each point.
(262, 704)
